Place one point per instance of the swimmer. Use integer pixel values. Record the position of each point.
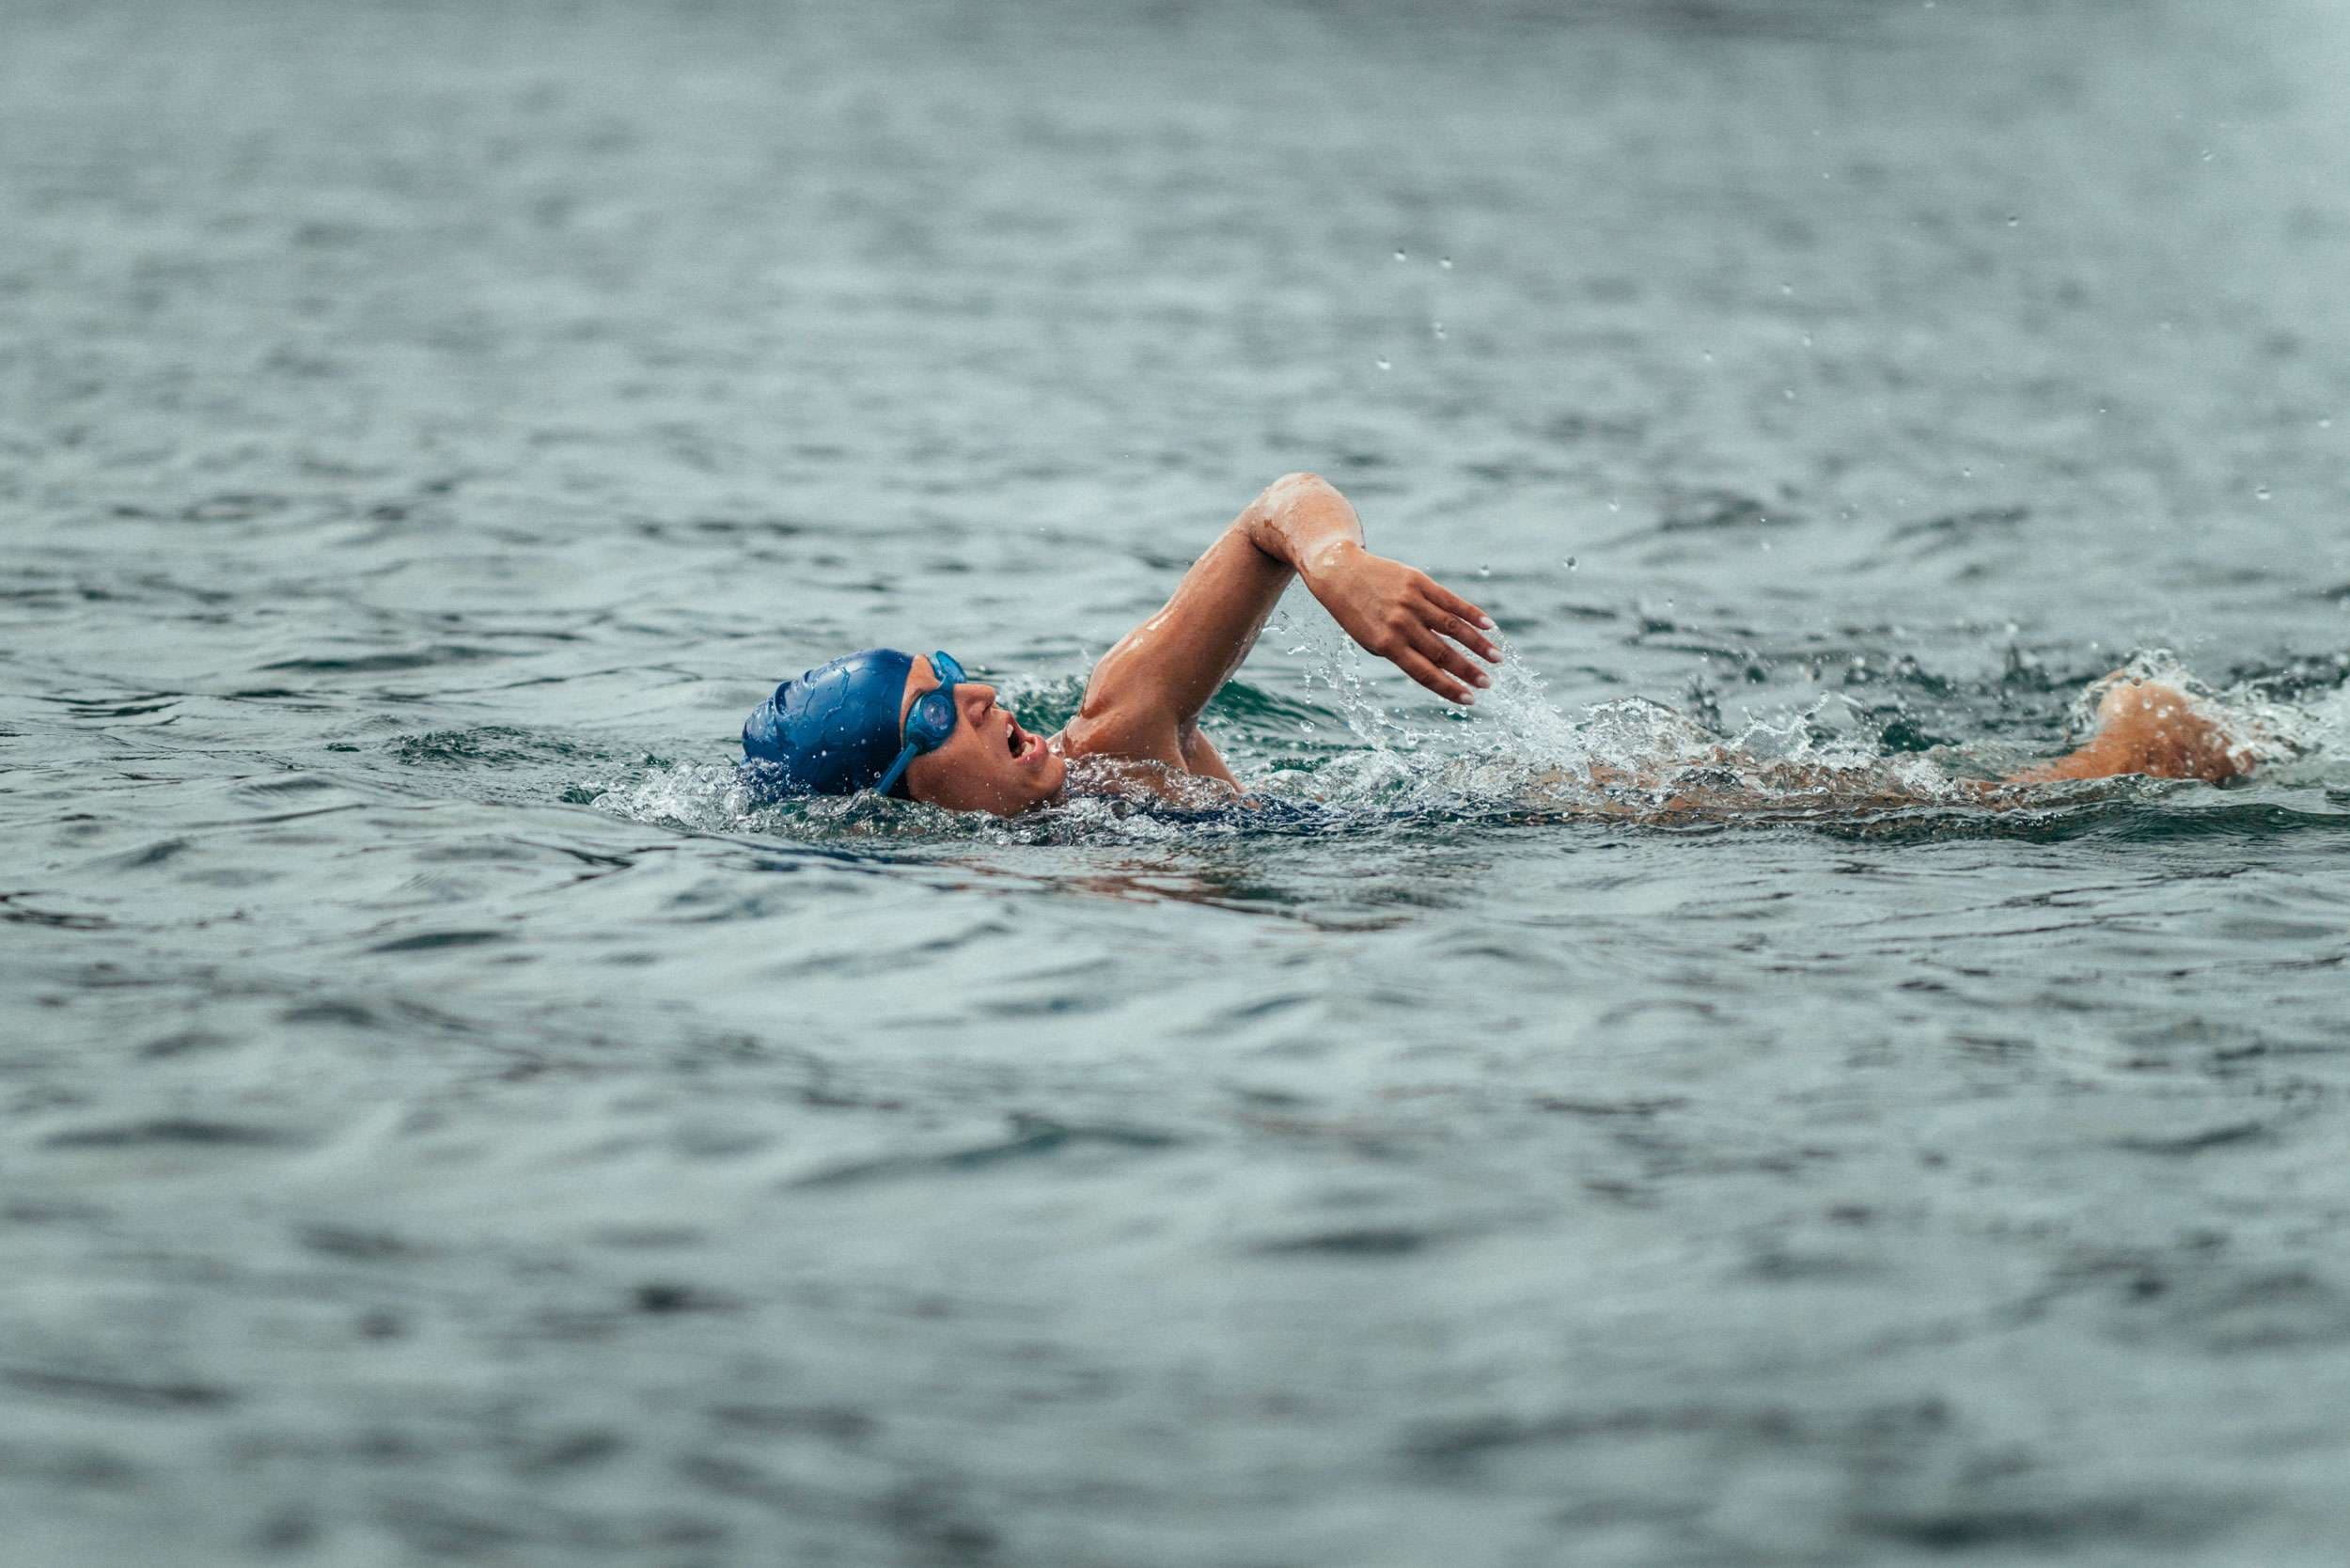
(920, 728)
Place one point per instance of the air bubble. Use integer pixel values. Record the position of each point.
(1382, 365)
(1484, 571)
(1445, 261)
(1568, 563)
(1399, 256)
(2260, 492)
(1438, 328)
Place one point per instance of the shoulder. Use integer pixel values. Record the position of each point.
(1098, 765)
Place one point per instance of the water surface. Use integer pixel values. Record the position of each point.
(446, 1123)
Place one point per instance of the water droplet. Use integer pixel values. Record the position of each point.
(1786, 289)
(2012, 220)
(1965, 473)
(1788, 393)
(1614, 506)
(2325, 424)
(2206, 155)
(1807, 339)
(1445, 261)
(1382, 365)
(1568, 563)
(2260, 492)
(1484, 571)
(1437, 327)
(1399, 256)
(1708, 354)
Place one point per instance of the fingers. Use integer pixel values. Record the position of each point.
(1460, 631)
(1453, 604)
(1447, 658)
(1415, 663)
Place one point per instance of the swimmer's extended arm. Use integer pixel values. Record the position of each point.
(1145, 695)
(1396, 611)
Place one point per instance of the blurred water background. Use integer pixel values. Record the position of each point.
(446, 1123)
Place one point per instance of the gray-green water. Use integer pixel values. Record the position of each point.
(442, 1124)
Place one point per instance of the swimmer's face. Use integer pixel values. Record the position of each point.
(989, 763)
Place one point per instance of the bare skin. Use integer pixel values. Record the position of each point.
(2145, 727)
(1139, 721)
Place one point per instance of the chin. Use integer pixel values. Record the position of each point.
(1030, 797)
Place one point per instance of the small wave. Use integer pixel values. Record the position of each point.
(390, 661)
(488, 744)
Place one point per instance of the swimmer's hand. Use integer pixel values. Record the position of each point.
(1401, 614)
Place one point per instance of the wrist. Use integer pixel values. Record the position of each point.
(1328, 558)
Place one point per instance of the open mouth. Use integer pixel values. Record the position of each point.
(1023, 747)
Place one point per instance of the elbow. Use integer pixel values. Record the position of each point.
(1290, 489)
(1266, 520)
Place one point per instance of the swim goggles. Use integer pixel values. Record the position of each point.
(929, 722)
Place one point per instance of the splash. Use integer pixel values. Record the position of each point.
(1518, 750)
(713, 798)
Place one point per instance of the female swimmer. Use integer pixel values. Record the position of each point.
(920, 728)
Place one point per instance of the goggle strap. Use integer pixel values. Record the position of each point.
(889, 779)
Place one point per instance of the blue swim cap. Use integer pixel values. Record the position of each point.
(831, 731)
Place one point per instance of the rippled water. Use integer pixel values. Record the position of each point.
(445, 1122)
